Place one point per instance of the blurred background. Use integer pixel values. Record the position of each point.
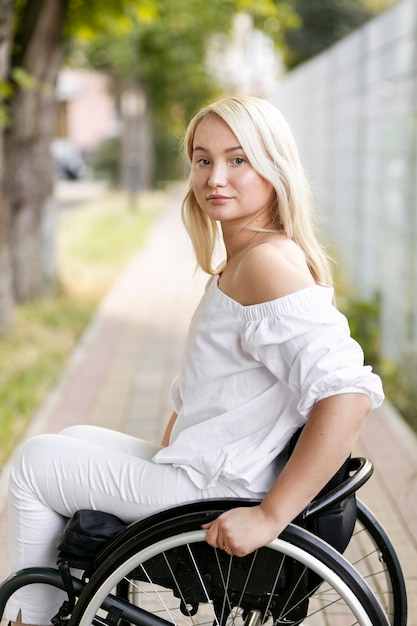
(95, 98)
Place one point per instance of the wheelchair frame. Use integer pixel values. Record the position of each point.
(308, 573)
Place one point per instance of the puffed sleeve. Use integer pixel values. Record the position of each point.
(305, 342)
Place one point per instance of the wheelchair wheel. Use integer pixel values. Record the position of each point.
(169, 575)
(373, 555)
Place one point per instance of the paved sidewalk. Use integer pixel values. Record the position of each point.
(120, 375)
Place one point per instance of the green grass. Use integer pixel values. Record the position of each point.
(32, 355)
(97, 240)
(399, 378)
(94, 242)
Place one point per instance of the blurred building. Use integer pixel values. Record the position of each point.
(245, 62)
(87, 112)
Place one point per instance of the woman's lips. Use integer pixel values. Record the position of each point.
(216, 198)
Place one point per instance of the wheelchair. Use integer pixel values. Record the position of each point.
(160, 571)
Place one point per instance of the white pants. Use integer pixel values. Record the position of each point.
(84, 467)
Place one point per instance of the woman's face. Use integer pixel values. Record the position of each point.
(225, 184)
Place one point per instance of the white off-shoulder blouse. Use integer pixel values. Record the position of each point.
(249, 378)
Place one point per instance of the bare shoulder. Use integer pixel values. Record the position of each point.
(270, 270)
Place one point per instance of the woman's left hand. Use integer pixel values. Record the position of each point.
(242, 530)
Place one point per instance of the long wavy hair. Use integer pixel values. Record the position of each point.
(270, 146)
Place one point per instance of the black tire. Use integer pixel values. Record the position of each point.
(371, 552)
(274, 585)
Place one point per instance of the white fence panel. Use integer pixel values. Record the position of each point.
(354, 111)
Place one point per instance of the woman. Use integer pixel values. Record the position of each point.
(266, 353)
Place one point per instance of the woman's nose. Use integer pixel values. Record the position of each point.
(218, 176)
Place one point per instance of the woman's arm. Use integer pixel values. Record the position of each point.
(326, 441)
(168, 429)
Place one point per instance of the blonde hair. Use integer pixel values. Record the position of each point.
(269, 144)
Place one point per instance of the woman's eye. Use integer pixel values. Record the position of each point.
(238, 161)
(203, 162)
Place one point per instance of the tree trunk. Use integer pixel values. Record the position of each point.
(6, 294)
(137, 140)
(29, 168)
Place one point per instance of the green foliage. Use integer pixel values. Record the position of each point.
(94, 242)
(399, 379)
(109, 232)
(322, 23)
(23, 79)
(400, 383)
(106, 161)
(87, 18)
(5, 93)
(6, 90)
(317, 24)
(4, 116)
(277, 21)
(32, 355)
(171, 165)
(365, 327)
(161, 45)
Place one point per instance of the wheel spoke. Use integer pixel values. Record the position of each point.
(178, 579)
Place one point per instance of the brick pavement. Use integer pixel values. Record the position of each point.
(119, 376)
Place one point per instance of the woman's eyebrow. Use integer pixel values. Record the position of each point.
(202, 149)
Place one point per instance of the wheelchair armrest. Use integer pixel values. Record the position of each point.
(362, 471)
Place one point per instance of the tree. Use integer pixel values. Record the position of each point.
(154, 48)
(32, 38)
(322, 23)
(37, 53)
(6, 292)
(159, 52)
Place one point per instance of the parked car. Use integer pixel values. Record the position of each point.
(68, 160)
